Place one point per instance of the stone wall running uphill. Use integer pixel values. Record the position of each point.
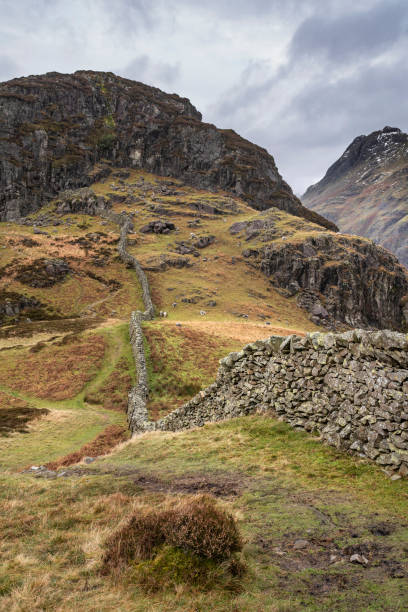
(351, 387)
(137, 399)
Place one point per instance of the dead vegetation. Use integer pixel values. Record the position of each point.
(112, 395)
(55, 372)
(16, 414)
(182, 543)
(196, 355)
(108, 439)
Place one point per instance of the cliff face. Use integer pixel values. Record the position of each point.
(337, 278)
(366, 190)
(55, 127)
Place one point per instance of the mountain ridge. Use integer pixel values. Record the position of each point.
(365, 191)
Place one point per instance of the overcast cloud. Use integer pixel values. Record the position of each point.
(299, 77)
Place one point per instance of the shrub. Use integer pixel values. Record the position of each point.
(136, 539)
(194, 527)
(198, 525)
(106, 141)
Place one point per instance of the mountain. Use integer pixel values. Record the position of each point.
(365, 191)
(55, 127)
(65, 133)
(120, 292)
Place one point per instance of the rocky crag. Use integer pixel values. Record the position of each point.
(338, 280)
(55, 127)
(365, 191)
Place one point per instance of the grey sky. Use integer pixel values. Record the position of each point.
(299, 77)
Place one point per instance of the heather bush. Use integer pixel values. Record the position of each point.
(136, 539)
(192, 542)
(198, 525)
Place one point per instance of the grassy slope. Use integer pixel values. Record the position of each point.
(55, 529)
(220, 273)
(70, 422)
(285, 484)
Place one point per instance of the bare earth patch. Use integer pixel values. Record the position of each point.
(219, 484)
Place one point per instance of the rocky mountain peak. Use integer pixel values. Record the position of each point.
(390, 130)
(378, 148)
(55, 127)
(366, 192)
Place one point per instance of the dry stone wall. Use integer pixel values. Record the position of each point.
(351, 388)
(137, 399)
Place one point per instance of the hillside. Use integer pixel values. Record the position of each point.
(203, 252)
(55, 127)
(365, 191)
(67, 369)
(138, 248)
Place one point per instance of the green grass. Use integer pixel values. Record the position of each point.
(70, 423)
(332, 501)
(260, 444)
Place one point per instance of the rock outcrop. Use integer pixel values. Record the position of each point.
(13, 305)
(81, 201)
(339, 279)
(54, 128)
(42, 272)
(365, 191)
